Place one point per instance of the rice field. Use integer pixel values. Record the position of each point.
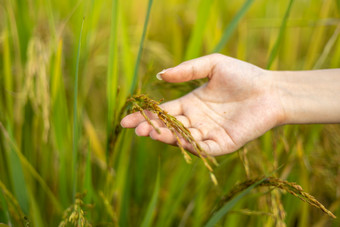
(67, 69)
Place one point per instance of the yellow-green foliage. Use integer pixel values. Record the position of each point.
(55, 142)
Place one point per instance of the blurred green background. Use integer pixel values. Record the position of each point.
(63, 155)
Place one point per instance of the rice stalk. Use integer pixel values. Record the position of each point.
(290, 187)
(75, 214)
(143, 102)
(253, 213)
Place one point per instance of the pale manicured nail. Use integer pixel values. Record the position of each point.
(159, 75)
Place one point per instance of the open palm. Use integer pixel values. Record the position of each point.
(237, 105)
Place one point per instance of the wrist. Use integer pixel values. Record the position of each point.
(283, 89)
(307, 96)
(276, 86)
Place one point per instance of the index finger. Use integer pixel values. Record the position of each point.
(133, 120)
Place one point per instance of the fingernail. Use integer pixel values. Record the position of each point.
(159, 75)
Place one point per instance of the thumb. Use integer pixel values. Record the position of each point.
(191, 70)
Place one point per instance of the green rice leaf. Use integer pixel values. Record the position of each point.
(278, 42)
(112, 77)
(147, 221)
(88, 179)
(4, 213)
(229, 205)
(8, 77)
(232, 26)
(75, 119)
(140, 50)
(29, 168)
(17, 176)
(196, 38)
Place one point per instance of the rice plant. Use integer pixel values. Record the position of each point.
(67, 70)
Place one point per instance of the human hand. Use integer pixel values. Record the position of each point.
(236, 105)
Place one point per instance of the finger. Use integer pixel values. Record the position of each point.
(144, 128)
(211, 147)
(196, 134)
(184, 120)
(164, 136)
(173, 107)
(134, 119)
(191, 70)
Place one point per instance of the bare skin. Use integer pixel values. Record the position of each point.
(241, 102)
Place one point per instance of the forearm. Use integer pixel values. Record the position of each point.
(308, 96)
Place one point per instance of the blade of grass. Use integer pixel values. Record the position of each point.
(147, 221)
(278, 42)
(127, 58)
(327, 49)
(95, 143)
(8, 78)
(123, 184)
(75, 119)
(14, 211)
(196, 38)
(17, 175)
(35, 213)
(229, 205)
(29, 169)
(112, 76)
(233, 25)
(88, 178)
(177, 186)
(4, 213)
(60, 122)
(140, 50)
(318, 36)
(334, 62)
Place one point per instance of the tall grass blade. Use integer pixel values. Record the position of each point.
(229, 205)
(36, 213)
(112, 77)
(29, 169)
(88, 179)
(4, 213)
(123, 184)
(75, 119)
(140, 50)
(334, 63)
(8, 78)
(318, 36)
(328, 47)
(147, 221)
(196, 38)
(60, 122)
(127, 57)
(17, 175)
(232, 26)
(14, 211)
(178, 184)
(277, 44)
